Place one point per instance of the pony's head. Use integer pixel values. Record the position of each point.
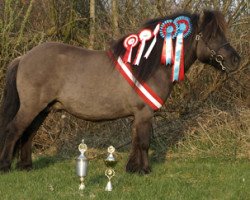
(212, 45)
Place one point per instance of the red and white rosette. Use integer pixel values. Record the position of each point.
(155, 33)
(130, 42)
(144, 35)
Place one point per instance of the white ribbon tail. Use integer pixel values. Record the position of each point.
(138, 57)
(166, 52)
(150, 48)
(156, 30)
(179, 41)
(130, 54)
(169, 50)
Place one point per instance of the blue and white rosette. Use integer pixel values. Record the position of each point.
(168, 31)
(184, 30)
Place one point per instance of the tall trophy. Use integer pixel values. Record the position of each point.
(110, 162)
(82, 164)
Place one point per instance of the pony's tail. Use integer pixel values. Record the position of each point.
(10, 101)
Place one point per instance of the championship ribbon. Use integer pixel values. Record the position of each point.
(168, 32)
(184, 29)
(144, 35)
(155, 33)
(130, 42)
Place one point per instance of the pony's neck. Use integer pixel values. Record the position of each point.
(190, 52)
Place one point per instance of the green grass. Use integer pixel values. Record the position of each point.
(206, 178)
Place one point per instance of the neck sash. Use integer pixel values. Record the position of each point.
(141, 88)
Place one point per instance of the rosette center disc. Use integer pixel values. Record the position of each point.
(170, 29)
(182, 26)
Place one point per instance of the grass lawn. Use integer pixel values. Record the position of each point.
(203, 178)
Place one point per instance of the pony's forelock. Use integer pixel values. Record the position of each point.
(214, 23)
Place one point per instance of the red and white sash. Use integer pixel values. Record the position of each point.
(142, 89)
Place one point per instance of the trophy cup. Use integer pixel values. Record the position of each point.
(110, 162)
(82, 164)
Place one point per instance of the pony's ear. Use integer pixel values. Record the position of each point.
(201, 19)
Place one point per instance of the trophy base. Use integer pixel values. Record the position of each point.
(109, 187)
(82, 187)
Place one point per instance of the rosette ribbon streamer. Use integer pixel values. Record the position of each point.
(178, 68)
(155, 33)
(184, 29)
(130, 42)
(144, 35)
(168, 32)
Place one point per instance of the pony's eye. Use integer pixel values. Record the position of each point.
(235, 59)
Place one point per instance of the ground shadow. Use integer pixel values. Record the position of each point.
(46, 161)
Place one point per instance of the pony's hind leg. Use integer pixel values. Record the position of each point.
(141, 134)
(25, 162)
(14, 131)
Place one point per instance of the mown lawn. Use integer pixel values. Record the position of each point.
(207, 178)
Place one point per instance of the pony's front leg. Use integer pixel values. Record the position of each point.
(141, 134)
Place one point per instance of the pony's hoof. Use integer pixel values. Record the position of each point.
(132, 166)
(24, 166)
(131, 169)
(146, 170)
(137, 168)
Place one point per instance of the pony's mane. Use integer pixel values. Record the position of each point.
(213, 22)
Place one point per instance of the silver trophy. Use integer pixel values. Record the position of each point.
(110, 162)
(82, 164)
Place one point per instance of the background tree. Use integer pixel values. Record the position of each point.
(115, 18)
(91, 23)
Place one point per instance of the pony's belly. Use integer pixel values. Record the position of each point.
(94, 112)
(94, 115)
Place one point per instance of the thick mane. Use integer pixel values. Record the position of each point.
(213, 22)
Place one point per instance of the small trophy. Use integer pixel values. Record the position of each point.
(82, 164)
(110, 162)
